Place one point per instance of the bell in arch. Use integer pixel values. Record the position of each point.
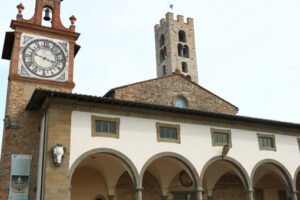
(47, 15)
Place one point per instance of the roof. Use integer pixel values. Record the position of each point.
(154, 79)
(39, 96)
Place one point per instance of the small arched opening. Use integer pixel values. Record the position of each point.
(181, 36)
(186, 52)
(180, 50)
(184, 67)
(162, 40)
(47, 16)
(164, 70)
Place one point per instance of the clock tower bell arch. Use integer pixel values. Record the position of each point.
(40, 57)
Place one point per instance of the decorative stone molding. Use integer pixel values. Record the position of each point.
(58, 152)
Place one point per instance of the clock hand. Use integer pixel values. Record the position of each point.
(45, 58)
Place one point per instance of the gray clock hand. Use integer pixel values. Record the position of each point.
(45, 58)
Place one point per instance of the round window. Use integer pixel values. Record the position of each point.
(180, 102)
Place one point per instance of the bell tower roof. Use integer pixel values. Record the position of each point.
(35, 25)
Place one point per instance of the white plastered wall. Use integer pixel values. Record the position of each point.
(139, 143)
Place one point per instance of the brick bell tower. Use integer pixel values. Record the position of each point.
(175, 47)
(40, 57)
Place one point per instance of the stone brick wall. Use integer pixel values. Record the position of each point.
(126, 191)
(229, 187)
(170, 29)
(162, 91)
(22, 136)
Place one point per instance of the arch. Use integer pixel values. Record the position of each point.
(180, 50)
(164, 70)
(280, 166)
(161, 55)
(176, 156)
(296, 174)
(132, 169)
(161, 40)
(234, 162)
(181, 36)
(184, 67)
(186, 52)
(99, 196)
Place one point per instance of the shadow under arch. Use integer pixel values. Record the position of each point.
(182, 159)
(295, 175)
(281, 167)
(235, 163)
(131, 167)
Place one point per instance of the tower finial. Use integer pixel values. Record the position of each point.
(171, 5)
(20, 8)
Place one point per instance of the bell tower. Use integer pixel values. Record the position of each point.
(175, 47)
(40, 57)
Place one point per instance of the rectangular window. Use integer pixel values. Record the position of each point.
(105, 127)
(266, 142)
(220, 137)
(168, 132)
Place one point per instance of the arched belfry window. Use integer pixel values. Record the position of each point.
(184, 67)
(164, 70)
(180, 50)
(162, 40)
(181, 36)
(186, 52)
(161, 55)
(47, 16)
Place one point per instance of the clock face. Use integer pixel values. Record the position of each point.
(44, 58)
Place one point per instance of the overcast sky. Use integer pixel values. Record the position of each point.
(248, 51)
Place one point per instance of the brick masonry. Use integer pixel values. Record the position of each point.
(23, 134)
(229, 187)
(162, 91)
(125, 189)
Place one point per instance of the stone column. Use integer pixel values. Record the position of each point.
(199, 192)
(294, 195)
(164, 197)
(250, 194)
(110, 197)
(138, 193)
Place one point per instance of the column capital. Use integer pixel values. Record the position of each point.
(164, 197)
(200, 189)
(110, 197)
(139, 189)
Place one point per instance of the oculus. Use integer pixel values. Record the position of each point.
(185, 179)
(180, 101)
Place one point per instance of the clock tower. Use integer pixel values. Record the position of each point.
(40, 57)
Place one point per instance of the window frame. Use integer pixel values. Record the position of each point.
(176, 126)
(260, 135)
(104, 134)
(223, 131)
(180, 96)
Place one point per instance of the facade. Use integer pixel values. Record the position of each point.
(166, 138)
